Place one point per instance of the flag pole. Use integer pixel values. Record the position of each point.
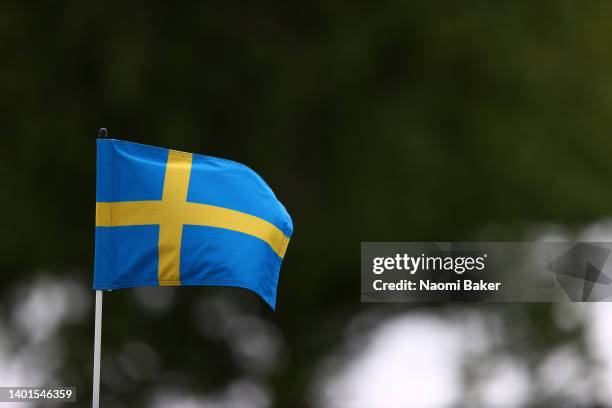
(97, 333)
(97, 351)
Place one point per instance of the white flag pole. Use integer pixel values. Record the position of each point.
(97, 351)
(95, 402)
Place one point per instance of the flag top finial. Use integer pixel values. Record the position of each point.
(103, 133)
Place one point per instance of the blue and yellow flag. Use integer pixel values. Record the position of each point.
(165, 217)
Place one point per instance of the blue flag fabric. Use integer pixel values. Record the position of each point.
(165, 217)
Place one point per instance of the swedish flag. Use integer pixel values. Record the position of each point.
(165, 217)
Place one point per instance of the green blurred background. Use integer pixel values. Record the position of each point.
(372, 121)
